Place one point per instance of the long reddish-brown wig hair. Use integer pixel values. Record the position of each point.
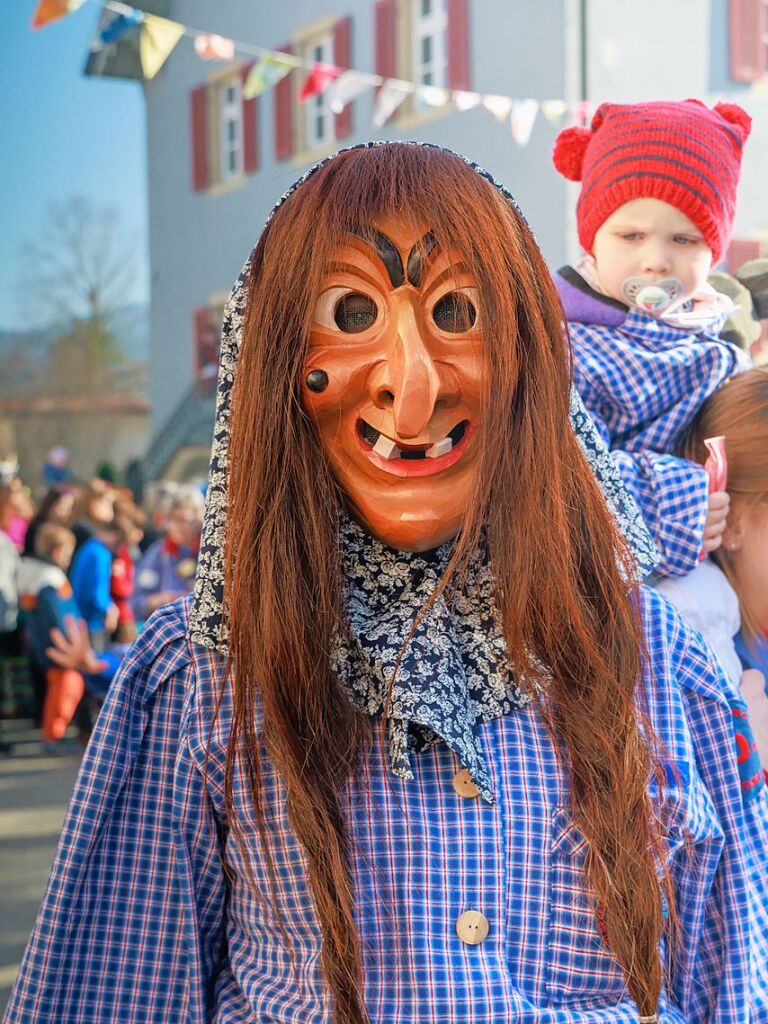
(560, 564)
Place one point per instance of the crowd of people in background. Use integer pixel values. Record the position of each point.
(85, 560)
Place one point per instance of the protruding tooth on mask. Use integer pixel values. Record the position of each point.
(386, 448)
(440, 448)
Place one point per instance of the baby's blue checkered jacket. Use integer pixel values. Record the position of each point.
(643, 381)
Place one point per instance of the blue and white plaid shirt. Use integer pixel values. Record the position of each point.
(643, 381)
(139, 922)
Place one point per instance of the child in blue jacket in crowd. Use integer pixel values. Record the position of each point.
(91, 578)
(654, 213)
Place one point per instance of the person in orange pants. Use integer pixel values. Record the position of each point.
(64, 691)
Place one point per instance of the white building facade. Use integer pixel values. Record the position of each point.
(218, 162)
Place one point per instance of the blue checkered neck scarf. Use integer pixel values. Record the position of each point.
(453, 672)
(439, 682)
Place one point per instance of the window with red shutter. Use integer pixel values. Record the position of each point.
(342, 58)
(386, 41)
(746, 28)
(283, 92)
(207, 342)
(317, 122)
(429, 54)
(458, 44)
(229, 128)
(200, 325)
(198, 103)
(250, 128)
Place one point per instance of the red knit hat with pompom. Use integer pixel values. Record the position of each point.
(681, 153)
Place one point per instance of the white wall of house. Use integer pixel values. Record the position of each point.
(674, 50)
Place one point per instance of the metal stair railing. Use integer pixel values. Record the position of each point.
(191, 423)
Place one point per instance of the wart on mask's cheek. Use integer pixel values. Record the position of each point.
(316, 381)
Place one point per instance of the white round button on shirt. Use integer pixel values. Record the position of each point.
(464, 786)
(472, 927)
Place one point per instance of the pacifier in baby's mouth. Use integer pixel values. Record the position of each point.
(651, 297)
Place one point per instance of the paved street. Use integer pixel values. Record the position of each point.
(34, 790)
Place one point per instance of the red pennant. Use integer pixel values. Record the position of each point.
(317, 81)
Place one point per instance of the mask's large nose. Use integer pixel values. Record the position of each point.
(407, 382)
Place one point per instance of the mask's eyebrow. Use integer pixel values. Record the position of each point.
(452, 271)
(387, 253)
(417, 255)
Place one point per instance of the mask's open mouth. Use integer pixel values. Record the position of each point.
(390, 450)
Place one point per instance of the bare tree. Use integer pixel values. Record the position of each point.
(82, 267)
(77, 276)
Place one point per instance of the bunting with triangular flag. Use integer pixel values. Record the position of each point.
(499, 106)
(433, 95)
(390, 96)
(319, 78)
(213, 47)
(522, 120)
(464, 100)
(347, 87)
(582, 112)
(267, 72)
(554, 110)
(51, 10)
(115, 27)
(158, 38)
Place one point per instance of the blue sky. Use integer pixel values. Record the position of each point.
(62, 135)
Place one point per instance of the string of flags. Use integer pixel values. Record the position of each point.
(158, 36)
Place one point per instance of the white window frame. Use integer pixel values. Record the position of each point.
(230, 129)
(319, 119)
(430, 27)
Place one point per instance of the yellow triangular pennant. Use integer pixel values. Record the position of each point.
(158, 38)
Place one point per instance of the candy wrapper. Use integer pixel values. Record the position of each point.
(717, 468)
(716, 464)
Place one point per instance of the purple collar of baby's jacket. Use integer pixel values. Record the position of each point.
(582, 304)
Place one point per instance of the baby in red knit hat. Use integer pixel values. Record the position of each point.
(655, 211)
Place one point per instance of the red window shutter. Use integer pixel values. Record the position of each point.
(284, 113)
(386, 43)
(201, 322)
(741, 250)
(458, 44)
(342, 58)
(746, 26)
(198, 103)
(250, 129)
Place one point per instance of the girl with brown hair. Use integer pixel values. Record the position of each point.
(418, 749)
(726, 596)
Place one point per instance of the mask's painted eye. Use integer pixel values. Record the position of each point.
(455, 313)
(345, 310)
(355, 313)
